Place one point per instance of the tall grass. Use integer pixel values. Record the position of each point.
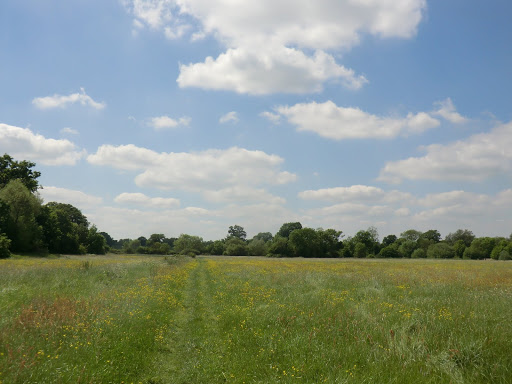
(254, 320)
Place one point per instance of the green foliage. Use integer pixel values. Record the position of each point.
(505, 255)
(279, 247)
(360, 250)
(407, 247)
(432, 235)
(287, 228)
(480, 248)
(11, 169)
(235, 247)
(216, 248)
(5, 243)
(501, 245)
(419, 254)
(21, 226)
(460, 234)
(459, 247)
(390, 251)
(257, 247)
(265, 236)
(188, 242)
(440, 251)
(388, 240)
(237, 231)
(411, 235)
(370, 239)
(96, 243)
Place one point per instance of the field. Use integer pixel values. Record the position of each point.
(122, 319)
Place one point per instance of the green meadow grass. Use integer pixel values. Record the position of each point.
(254, 320)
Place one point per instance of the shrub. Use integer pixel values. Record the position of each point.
(440, 251)
(504, 255)
(419, 254)
(4, 246)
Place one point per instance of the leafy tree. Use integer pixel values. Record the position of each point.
(432, 234)
(388, 240)
(11, 169)
(288, 228)
(96, 243)
(370, 239)
(110, 241)
(216, 248)
(186, 244)
(257, 247)
(143, 241)
(305, 242)
(411, 235)
(360, 250)
(390, 251)
(407, 247)
(265, 236)
(235, 247)
(154, 238)
(237, 231)
(440, 251)
(329, 241)
(21, 226)
(5, 243)
(480, 248)
(419, 253)
(460, 234)
(459, 247)
(279, 247)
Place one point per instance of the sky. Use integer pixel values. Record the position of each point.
(189, 116)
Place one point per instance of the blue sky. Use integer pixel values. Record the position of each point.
(188, 116)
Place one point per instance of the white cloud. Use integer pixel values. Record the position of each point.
(354, 192)
(241, 193)
(146, 201)
(197, 171)
(270, 44)
(165, 122)
(22, 143)
(447, 110)
(339, 123)
(59, 101)
(269, 70)
(274, 118)
(229, 117)
(76, 198)
(476, 158)
(70, 131)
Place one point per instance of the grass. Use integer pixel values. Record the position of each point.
(254, 320)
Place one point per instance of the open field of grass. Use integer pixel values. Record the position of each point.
(139, 319)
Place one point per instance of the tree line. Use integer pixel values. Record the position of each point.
(28, 225)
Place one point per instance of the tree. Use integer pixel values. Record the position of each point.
(388, 240)
(143, 241)
(440, 251)
(432, 235)
(216, 248)
(411, 235)
(330, 242)
(186, 244)
(390, 251)
(96, 243)
(406, 248)
(279, 247)
(257, 247)
(370, 239)
(419, 253)
(360, 250)
(480, 248)
(459, 247)
(305, 242)
(288, 228)
(235, 247)
(237, 231)
(265, 236)
(5, 243)
(21, 226)
(460, 234)
(18, 170)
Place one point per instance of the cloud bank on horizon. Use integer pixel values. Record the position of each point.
(340, 114)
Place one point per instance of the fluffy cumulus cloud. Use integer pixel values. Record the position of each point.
(333, 122)
(357, 207)
(22, 143)
(230, 117)
(223, 173)
(79, 199)
(61, 101)
(166, 122)
(140, 199)
(241, 193)
(479, 157)
(283, 46)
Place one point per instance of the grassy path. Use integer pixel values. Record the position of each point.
(182, 360)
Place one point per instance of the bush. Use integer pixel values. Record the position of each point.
(389, 252)
(419, 254)
(504, 255)
(440, 251)
(5, 243)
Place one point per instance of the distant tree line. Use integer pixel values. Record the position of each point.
(28, 225)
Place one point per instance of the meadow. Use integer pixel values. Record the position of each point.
(156, 320)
